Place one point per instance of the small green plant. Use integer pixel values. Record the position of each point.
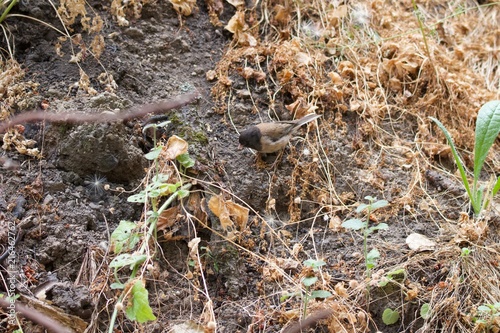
(465, 252)
(390, 317)
(308, 282)
(394, 275)
(8, 6)
(488, 317)
(425, 311)
(487, 130)
(357, 224)
(131, 242)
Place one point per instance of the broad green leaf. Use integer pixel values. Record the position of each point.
(309, 281)
(182, 193)
(154, 153)
(361, 208)
(380, 226)
(400, 272)
(320, 294)
(354, 224)
(186, 161)
(117, 285)
(483, 308)
(379, 204)
(123, 238)
(314, 264)
(139, 198)
(425, 311)
(487, 129)
(373, 255)
(126, 259)
(390, 317)
(138, 308)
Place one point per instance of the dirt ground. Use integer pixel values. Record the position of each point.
(374, 85)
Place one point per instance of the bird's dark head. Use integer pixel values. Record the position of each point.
(250, 138)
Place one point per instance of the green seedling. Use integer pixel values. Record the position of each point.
(487, 129)
(131, 241)
(394, 275)
(487, 317)
(308, 282)
(357, 224)
(390, 317)
(425, 311)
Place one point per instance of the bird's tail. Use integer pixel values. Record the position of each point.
(306, 119)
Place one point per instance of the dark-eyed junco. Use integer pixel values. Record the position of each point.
(271, 137)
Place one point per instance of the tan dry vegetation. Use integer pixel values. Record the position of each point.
(369, 61)
(373, 59)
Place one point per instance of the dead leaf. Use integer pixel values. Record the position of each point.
(236, 23)
(236, 3)
(184, 7)
(418, 242)
(175, 146)
(168, 217)
(228, 212)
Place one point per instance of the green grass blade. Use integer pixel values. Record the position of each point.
(472, 196)
(496, 187)
(487, 129)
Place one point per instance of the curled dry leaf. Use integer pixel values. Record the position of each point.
(228, 212)
(168, 217)
(236, 3)
(184, 7)
(175, 146)
(237, 23)
(193, 247)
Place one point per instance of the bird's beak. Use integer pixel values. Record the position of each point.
(240, 147)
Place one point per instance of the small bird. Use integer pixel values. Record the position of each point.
(271, 137)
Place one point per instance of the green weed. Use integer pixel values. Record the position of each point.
(308, 282)
(487, 130)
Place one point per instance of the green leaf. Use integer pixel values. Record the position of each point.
(286, 296)
(373, 255)
(425, 311)
(123, 238)
(354, 224)
(126, 259)
(320, 294)
(487, 129)
(379, 204)
(154, 153)
(380, 226)
(390, 317)
(117, 285)
(309, 281)
(138, 308)
(186, 161)
(484, 308)
(460, 165)
(400, 272)
(496, 187)
(183, 193)
(139, 197)
(361, 208)
(314, 264)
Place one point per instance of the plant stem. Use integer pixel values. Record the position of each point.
(7, 10)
